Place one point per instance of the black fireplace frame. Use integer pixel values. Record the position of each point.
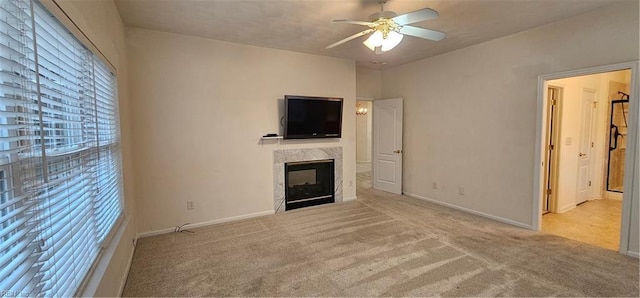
(311, 201)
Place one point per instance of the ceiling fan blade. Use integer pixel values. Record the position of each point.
(416, 16)
(422, 33)
(363, 23)
(365, 32)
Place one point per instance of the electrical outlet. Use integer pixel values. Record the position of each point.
(190, 205)
(434, 185)
(461, 190)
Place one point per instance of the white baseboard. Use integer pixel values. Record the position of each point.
(206, 223)
(349, 199)
(566, 208)
(467, 210)
(633, 254)
(613, 195)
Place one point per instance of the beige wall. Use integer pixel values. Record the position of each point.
(100, 22)
(470, 115)
(201, 107)
(569, 137)
(363, 133)
(368, 83)
(368, 87)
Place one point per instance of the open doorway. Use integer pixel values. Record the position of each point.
(584, 141)
(379, 145)
(364, 127)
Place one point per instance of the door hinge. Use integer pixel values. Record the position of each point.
(548, 191)
(550, 147)
(554, 102)
(589, 183)
(592, 144)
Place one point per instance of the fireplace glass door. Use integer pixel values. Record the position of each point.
(309, 183)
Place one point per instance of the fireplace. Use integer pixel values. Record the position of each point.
(309, 183)
(284, 156)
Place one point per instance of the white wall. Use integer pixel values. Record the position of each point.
(363, 133)
(200, 109)
(569, 137)
(100, 22)
(470, 115)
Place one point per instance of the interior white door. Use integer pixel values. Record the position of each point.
(583, 191)
(387, 145)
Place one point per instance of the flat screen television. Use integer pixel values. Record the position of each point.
(312, 117)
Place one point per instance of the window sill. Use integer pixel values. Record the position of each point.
(106, 266)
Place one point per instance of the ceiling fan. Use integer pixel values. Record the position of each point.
(388, 28)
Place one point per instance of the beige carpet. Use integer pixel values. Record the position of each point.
(379, 245)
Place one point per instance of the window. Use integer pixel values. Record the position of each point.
(60, 172)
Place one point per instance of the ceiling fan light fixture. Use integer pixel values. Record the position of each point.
(375, 40)
(387, 29)
(392, 40)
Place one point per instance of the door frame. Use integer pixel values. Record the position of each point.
(551, 171)
(631, 167)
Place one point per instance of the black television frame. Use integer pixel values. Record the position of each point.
(286, 134)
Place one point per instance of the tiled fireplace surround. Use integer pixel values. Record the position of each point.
(280, 157)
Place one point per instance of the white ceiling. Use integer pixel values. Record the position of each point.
(305, 25)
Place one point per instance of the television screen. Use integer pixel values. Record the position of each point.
(312, 117)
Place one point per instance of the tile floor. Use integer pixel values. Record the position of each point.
(596, 222)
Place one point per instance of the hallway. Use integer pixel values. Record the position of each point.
(596, 222)
(363, 176)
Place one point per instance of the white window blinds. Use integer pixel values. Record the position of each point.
(60, 172)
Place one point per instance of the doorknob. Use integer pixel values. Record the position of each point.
(582, 154)
(397, 151)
